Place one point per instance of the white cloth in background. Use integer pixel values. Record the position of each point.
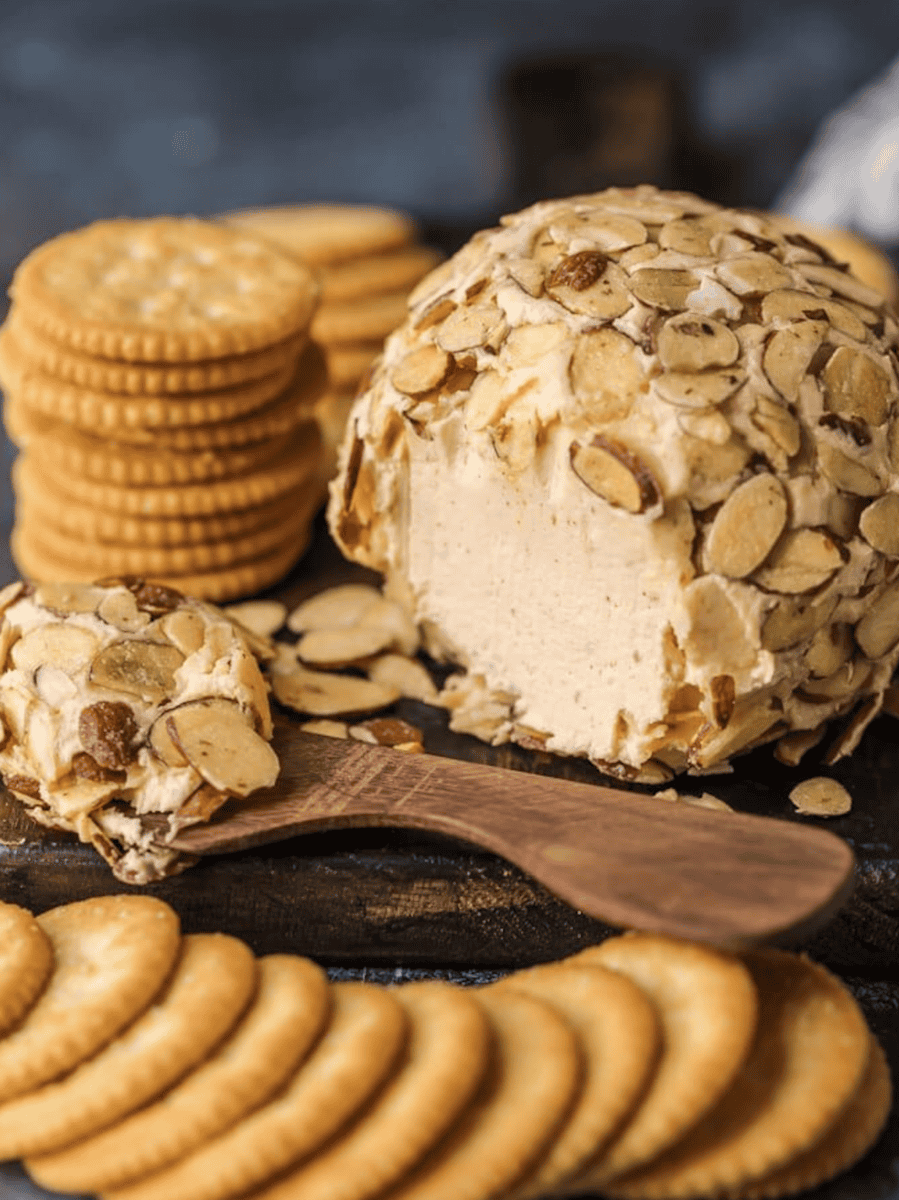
(850, 175)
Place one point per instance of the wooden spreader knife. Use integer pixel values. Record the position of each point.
(628, 859)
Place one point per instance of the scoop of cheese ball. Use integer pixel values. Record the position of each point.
(631, 463)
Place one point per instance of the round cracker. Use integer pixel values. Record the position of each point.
(112, 956)
(210, 987)
(26, 960)
(807, 1060)
(444, 1060)
(321, 234)
(852, 1135)
(532, 1081)
(374, 273)
(706, 1003)
(368, 319)
(619, 1035)
(351, 1060)
(286, 1016)
(146, 379)
(165, 289)
(347, 363)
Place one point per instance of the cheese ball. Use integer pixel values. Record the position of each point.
(631, 465)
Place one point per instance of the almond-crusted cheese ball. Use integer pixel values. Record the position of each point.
(631, 463)
(128, 712)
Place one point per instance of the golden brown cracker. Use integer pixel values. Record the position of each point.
(352, 1059)
(533, 1079)
(391, 271)
(323, 234)
(805, 1063)
(112, 956)
(348, 361)
(166, 289)
(619, 1035)
(853, 1133)
(20, 340)
(211, 985)
(444, 1060)
(706, 1003)
(371, 318)
(286, 1016)
(289, 469)
(26, 961)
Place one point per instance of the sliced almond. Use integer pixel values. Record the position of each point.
(391, 618)
(488, 399)
(790, 305)
(160, 742)
(753, 274)
(138, 668)
(438, 310)
(723, 692)
(614, 473)
(55, 686)
(802, 560)
(843, 283)
(515, 440)
(421, 370)
(261, 617)
(856, 386)
(788, 353)
(792, 621)
(605, 374)
(587, 283)
(691, 342)
(879, 524)
(792, 747)
(820, 797)
(775, 422)
(407, 675)
(186, 629)
(63, 598)
(321, 694)
(219, 744)
(335, 608)
(119, 609)
(717, 632)
(663, 288)
(336, 648)
(750, 722)
(707, 390)
(385, 731)
(746, 527)
(527, 274)
(68, 647)
(688, 235)
(324, 727)
(530, 343)
(471, 328)
(846, 681)
(847, 473)
(707, 424)
(830, 648)
(878, 630)
(605, 231)
(10, 594)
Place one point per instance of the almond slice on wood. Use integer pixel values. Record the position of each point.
(385, 731)
(336, 648)
(262, 617)
(406, 674)
(334, 608)
(322, 694)
(821, 797)
(218, 743)
(391, 619)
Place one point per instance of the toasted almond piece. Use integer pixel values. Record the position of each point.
(391, 618)
(708, 425)
(692, 342)
(792, 747)
(604, 231)
(10, 594)
(847, 680)
(119, 609)
(788, 304)
(54, 686)
(262, 617)
(385, 731)
(421, 371)
(688, 235)
(160, 742)
(589, 284)
(717, 632)
(334, 608)
(753, 274)
(64, 598)
(614, 473)
(488, 399)
(843, 283)
(337, 648)
(847, 473)
(878, 630)
(65, 646)
(605, 374)
(879, 524)
(774, 420)
(746, 527)
(185, 628)
(821, 797)
(663, 288)
(325, 727)
(803, 559)
(321, 694)
(686, 389)
(215, 738)
(855, 385)
(829, 649)
(792, 621)
(788, 353)
(528, 275)
(529, 343)
(470, 328)
(405, 674)
(138, 668)
(752, 719)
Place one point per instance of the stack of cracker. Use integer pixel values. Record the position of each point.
(160, 383)
(367, 259)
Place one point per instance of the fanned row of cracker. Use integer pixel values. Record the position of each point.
(367, 260)
(160, 383)
(642, 1069)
